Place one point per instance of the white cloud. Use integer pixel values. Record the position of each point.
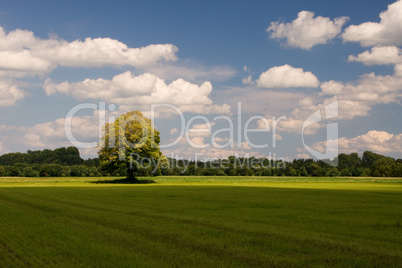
(174, 131)
(52, 134)
(308, 101)
(139, 92)
(103, 51)
(386, 32)
(21, 52)
(198, 133)
(247, 80)
(380, 142)
(357, 98)
(291, 124)
(278, 137)
(16, 40)
(369, 89)
(303, 156)
(306, 31)
(21, 62)
(332, 87)
(354, 99)
(83, 128)
(379, 55)
(33, 140)
(246, 145)
(10, 93)
(350, 109)
(287, 76)
(294, 124)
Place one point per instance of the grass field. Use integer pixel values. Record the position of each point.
(201, 221)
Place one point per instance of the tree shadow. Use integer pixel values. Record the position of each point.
(124, 181)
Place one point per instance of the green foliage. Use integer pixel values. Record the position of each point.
(232, 166)
(130, 141)
(333, 172)
(63, 156)
(303, 171)
(29, 172)
(371, 164)
(44, 171)
(291, 172)
(15, 171)
(48, 163)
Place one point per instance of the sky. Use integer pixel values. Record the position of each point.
(278, 79)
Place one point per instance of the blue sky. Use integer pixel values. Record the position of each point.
(277, 58)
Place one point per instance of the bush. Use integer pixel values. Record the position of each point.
(30, 172)
(14, 171)
(44, 172)
(2, 171)
(333, 172)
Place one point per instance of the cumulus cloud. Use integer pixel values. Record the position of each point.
(369, 89)
(354, 99)
(294, 121)
(379, 55)
(306, 31)
(357, 98)
(286, 76)
(103, 51)
(378, 141)
(83, 132)
(83, 129)
(52, 134)
(200, 141)
(139, 92)
(247, 80)
(21, 52)
(386, 32)
(198, 133)
(290, 124)
(23, 62)
(10, 93)
(303, 156)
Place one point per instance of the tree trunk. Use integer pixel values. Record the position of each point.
(130, 173)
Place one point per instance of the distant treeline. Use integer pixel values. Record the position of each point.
(60, 162)
(350, 165)
(67, 162)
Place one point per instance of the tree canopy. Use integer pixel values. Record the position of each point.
(62, 156)
(130, 143)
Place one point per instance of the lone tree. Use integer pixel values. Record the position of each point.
(130, 143)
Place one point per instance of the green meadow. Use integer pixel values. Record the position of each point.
(201, 221)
